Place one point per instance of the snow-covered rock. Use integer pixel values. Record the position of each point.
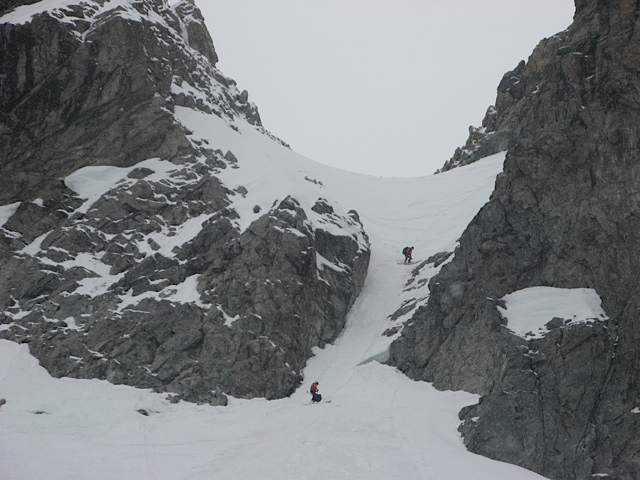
(128, 249)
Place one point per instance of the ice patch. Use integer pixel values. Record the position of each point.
(183, 293)
(529, 310)
(174, 237)
(92, 182)
(72, 325)
(34, 247)
(7, 211)
(228, 319)
(293, 231)
(322, 262)
(96, 286)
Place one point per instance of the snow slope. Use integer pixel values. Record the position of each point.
(378, 424)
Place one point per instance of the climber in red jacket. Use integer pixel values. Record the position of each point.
(315, 393)
(407, 251)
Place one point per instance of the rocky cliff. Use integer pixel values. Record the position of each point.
(564, 214)
(122, 253)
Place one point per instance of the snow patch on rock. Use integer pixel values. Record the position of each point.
(529, 311)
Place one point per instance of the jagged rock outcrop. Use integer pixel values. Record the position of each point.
(529, 97)
(564, 214)
(121, 255)
(87, 85)
(483, 141)
(100, 297)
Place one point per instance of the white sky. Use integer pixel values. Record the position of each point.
(385, 87)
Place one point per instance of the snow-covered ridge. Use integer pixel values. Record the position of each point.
(64, 11)
(200, 85)
(25, 13)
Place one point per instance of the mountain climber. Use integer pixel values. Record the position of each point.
(315, 393)
(407, 251)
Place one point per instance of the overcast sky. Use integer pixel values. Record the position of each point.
(383, 87)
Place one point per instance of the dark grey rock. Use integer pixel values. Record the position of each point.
(69, 101)
(197, 34)
(563, 214)
(322, 206)
(95, 291)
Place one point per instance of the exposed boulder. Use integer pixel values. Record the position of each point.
(563, 214)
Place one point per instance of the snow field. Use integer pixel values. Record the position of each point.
(382, 425)
(379, 424)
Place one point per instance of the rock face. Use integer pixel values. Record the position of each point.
(149, 281)
(563, 214)
(86, 85)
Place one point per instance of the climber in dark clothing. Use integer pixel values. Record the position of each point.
(315, 393)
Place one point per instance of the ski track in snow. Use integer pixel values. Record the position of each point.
(379, 424)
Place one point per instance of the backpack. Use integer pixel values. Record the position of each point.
(404, 250)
